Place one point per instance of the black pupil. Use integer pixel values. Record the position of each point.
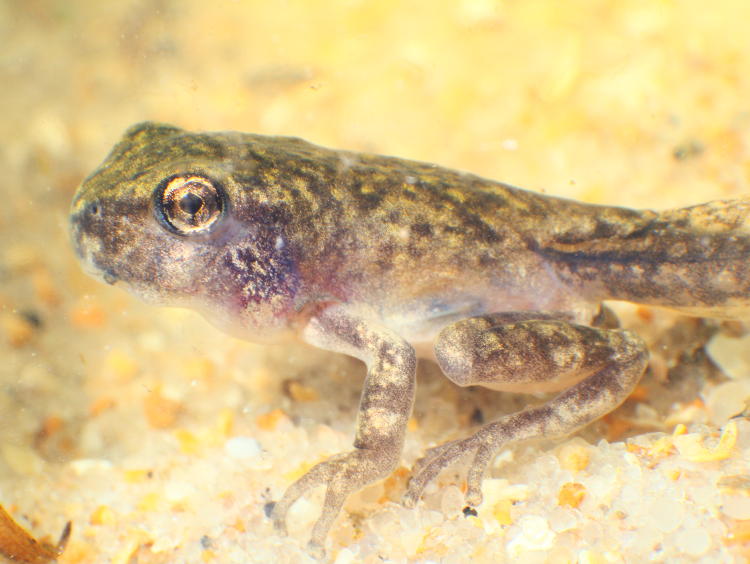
(190, 203)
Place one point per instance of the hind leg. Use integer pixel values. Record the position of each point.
(596, 369)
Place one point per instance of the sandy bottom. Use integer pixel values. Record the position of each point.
(162, 439)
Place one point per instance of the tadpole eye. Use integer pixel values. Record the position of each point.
(189, 203)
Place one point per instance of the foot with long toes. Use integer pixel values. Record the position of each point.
(341, 474)
(438, 458)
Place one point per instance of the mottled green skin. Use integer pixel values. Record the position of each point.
(375, 257)
(413, 241)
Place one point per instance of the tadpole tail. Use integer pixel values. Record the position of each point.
(689, 258)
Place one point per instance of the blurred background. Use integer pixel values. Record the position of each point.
(643, 103)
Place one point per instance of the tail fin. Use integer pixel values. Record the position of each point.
(694, 259)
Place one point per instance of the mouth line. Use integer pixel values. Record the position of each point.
(88, 256)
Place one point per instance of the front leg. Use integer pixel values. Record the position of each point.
(387, 400)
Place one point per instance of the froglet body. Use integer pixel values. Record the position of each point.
(384, 259)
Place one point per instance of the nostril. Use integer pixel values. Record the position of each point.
(109, 277)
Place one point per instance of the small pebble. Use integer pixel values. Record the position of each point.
(534, 534)
(562, 519)
(18, 329)
(176, 491)
(730, 354)
(693, 541)
(666, 514)
(574, 455)
(345, 556)
(242, 447)
(727, 400)
(571, 494)
(736, 506)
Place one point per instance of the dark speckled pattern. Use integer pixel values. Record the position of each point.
(371, 256)
(373, 228)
